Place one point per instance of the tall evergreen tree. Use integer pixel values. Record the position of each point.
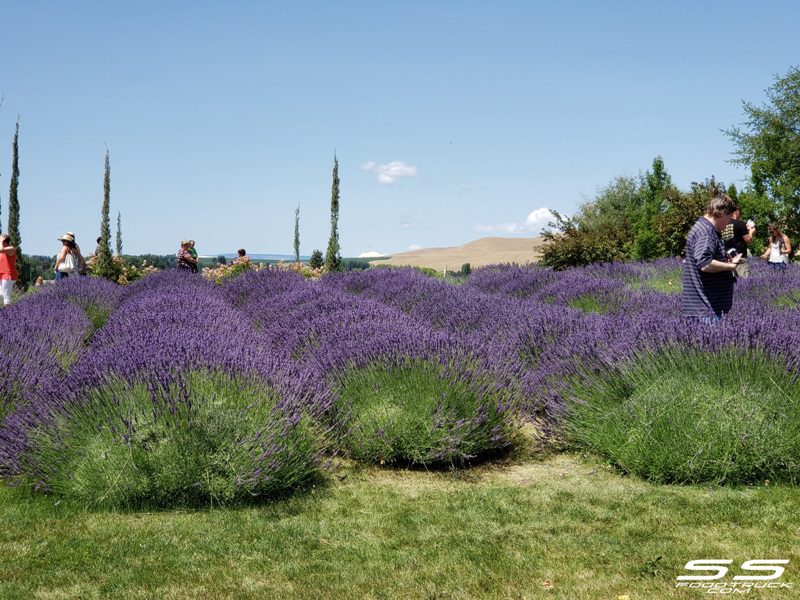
(333, 260)
(1, 203)
(119, 233)
(104, 266)
(13, 199)
(297, 234)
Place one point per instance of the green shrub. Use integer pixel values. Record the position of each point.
(220, 440)
(589, 303)
(690, 417)
(666, 281)
(418, 413)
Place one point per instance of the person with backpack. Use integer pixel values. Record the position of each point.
(778, 250)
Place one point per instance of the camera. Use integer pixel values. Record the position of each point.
(731, 252)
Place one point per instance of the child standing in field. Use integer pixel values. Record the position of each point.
(8, 268)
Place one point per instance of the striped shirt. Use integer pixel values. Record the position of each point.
(705, 294)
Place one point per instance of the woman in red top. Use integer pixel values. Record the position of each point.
(8, 268)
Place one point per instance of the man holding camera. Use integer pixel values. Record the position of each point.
(737, 236)
(708, 272)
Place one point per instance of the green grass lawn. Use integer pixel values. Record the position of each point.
(535, 526)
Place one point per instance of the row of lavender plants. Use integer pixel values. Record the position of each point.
(176, 391)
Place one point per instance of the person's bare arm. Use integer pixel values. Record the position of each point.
(717, 266)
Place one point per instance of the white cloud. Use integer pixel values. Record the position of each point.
(413, 247)
(388, 174)
(534, 223)
(371, 254)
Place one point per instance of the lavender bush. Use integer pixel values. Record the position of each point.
(179, 383)
(458, 394)
(184, 392)
(424, 413)
(208, 439)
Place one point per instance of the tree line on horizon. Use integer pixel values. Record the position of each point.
(648, 217)
(31, 267)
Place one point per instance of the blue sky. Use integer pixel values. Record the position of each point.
(451, 120)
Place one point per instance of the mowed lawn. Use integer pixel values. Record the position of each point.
(535, 526)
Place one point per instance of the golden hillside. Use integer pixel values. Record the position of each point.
(482, 252)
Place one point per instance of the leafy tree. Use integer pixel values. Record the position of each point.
(683, 211)
(769, 144)
(119, 234)
(316, 260)
(297, 234)
(104, 265)
(655, 187)
(602, 231)
(569, 243)
(333, 260)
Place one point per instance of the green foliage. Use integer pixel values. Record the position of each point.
(769, 144)
(119, 448)
(297, 234)
(419, 413)
(466, 269)
(590, 303)
(666, 281)
(119, 234)
(682, 212)
(333, 260)
(494, 534)
(316, 261)
(689, 417)
(354, 264)
(654, 188)
(96, 313)
(13, 198)
(575, 242)
(629, 220)
(159, 261)
(103, 264)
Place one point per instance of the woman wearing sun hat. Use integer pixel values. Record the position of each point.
(8, 268)
(68, 259)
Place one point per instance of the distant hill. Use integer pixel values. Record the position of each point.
(482, 252)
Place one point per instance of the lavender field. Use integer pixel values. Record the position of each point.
(175, 391)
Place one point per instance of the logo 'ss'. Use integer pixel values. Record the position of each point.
(706, 564)
(762, 565)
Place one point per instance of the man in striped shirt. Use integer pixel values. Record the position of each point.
(708, 273)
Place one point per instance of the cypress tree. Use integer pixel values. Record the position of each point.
(119, 234)
(104, 266)
(1, 204)
(297, 234)
(13, 199)
(333, 261)
(23, 266)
